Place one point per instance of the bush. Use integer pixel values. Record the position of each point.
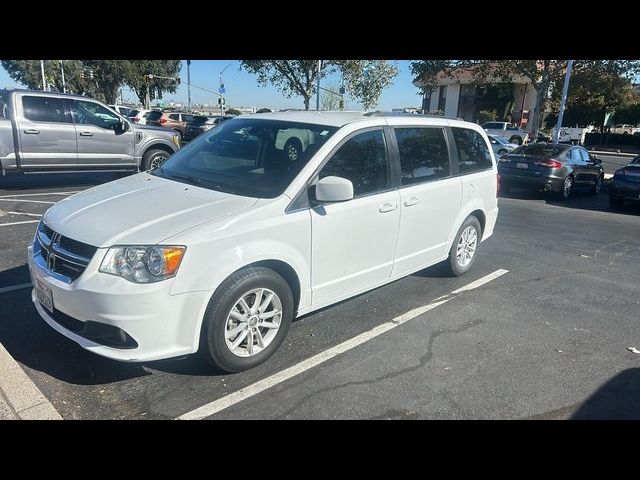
(264, 110)
(487, 116)
(232, 111)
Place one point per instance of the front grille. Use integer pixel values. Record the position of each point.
(62, 255)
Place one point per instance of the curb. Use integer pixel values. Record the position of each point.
(614, 154)
(25, 400)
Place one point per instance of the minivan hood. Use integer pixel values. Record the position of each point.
(139, 209)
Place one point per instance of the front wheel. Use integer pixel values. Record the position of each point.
(597, 186)
(462, 254)
(247, 319)
(152, 159)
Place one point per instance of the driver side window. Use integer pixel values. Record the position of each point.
(91, 113)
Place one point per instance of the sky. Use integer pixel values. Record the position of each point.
(242, 88)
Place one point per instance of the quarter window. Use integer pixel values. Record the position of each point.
(43, 109)
(363, 160)
(423, 154)
(473, 152)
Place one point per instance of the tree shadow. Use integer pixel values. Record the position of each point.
(618, 399)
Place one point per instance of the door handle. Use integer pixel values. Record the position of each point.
(411, 202)
(32, 131)
(388, 207)
(86, 134)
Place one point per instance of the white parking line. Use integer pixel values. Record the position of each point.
(15, 287)
(18, 223)
(23, 213)
(36, 194)
(25, 201)
(244, 393)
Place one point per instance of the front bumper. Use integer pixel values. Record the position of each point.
(160, 325)
(548, 183)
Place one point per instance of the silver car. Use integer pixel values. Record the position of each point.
(501, 146)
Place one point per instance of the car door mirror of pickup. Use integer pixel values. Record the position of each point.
(595, 160)
(334, 189)
(124, 126)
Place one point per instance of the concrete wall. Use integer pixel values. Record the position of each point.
(453, 96)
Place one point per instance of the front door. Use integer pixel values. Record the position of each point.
(47, 135)
(353, 242)
(101, 141)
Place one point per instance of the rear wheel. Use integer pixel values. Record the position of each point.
(293, 149)
(247, 319)
(615, 202)
(516, 139)
(465, 246)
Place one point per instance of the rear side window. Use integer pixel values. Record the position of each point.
(423, 154)
(473, 152)
(174, 116)
(43, 109)
(363, 160)
(585, 155)
(187, 118)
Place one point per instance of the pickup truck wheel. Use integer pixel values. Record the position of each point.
(516, 139)
(293, 149)
(153, 159)
(247, 319)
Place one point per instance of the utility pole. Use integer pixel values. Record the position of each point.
(147, 99)
(565, 89)
(222, 90)
(189, 85)
(318, 86)
(64, 87)
(44, 81)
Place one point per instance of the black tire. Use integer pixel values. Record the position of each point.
(597, 187)
(516, 139)
(566, 189)
(293, 149)
(615, 202)
(154, 158)
(454, 268)
(213, 345)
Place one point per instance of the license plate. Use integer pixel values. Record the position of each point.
(44, 295)
(522, 165)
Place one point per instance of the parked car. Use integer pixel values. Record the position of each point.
(141, 117)
(230, 239)
(126, 112)
(49, 132)
(626, 184)
(551, 167)
(625, 129)
(500, 146)
(507, 131)
(176, 121)
(201, 124)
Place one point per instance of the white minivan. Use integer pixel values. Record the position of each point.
(220, 247)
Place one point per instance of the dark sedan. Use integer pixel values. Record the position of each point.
(201, 124)
(551, 167)
(626, 184)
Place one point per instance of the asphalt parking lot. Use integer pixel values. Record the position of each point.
(545, 337)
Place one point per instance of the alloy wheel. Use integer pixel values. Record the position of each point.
(466, 247)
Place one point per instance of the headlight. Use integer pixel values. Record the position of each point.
(143, 264)
(176, 140)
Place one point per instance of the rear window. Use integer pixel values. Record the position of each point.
(473, 152)
(153, 116)
(43, 109)
(537, 149)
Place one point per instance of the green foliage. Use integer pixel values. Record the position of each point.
(364, 79)
(328, 100)
(232, 111)
(263, 110)
(486, 116)
(108, 76)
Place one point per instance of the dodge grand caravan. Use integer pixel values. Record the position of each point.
(220, 247)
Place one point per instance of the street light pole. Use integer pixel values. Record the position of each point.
(221, 90)
(565, 89)
(318, 86)
(189, 85)
(44, 81)
(64, 88)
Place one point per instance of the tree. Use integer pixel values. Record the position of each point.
(232, 111)
(135, 77)
(364, 79)
(264, 110)
(28, 73)
(328, 100)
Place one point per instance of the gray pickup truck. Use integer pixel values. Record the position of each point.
(55, 132)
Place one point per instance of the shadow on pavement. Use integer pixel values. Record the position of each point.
(618, 399)
(16, 181)
(14, 276)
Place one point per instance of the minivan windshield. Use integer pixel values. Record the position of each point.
(248, 157)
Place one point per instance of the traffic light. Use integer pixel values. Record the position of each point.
(219, 101)
(178, 80)
(341, 104)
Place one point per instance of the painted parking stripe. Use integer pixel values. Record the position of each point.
(15, 287)
(23, 213)
(38, 194)
(275, 379)
(24, 201)
(18, 223)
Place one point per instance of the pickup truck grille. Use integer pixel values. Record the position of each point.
(63, 257)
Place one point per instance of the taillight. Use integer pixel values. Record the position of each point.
(549, 163)
(163, 120)
(497, 184)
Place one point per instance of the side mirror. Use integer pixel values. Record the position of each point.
(334, 189)
(124, 126)
(595, 160)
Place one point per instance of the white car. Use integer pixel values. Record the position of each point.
(141, 117)
(500, 146)
(126, 112)
(507, 131)
(230, 239)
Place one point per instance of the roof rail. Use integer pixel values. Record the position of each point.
(405, 114)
